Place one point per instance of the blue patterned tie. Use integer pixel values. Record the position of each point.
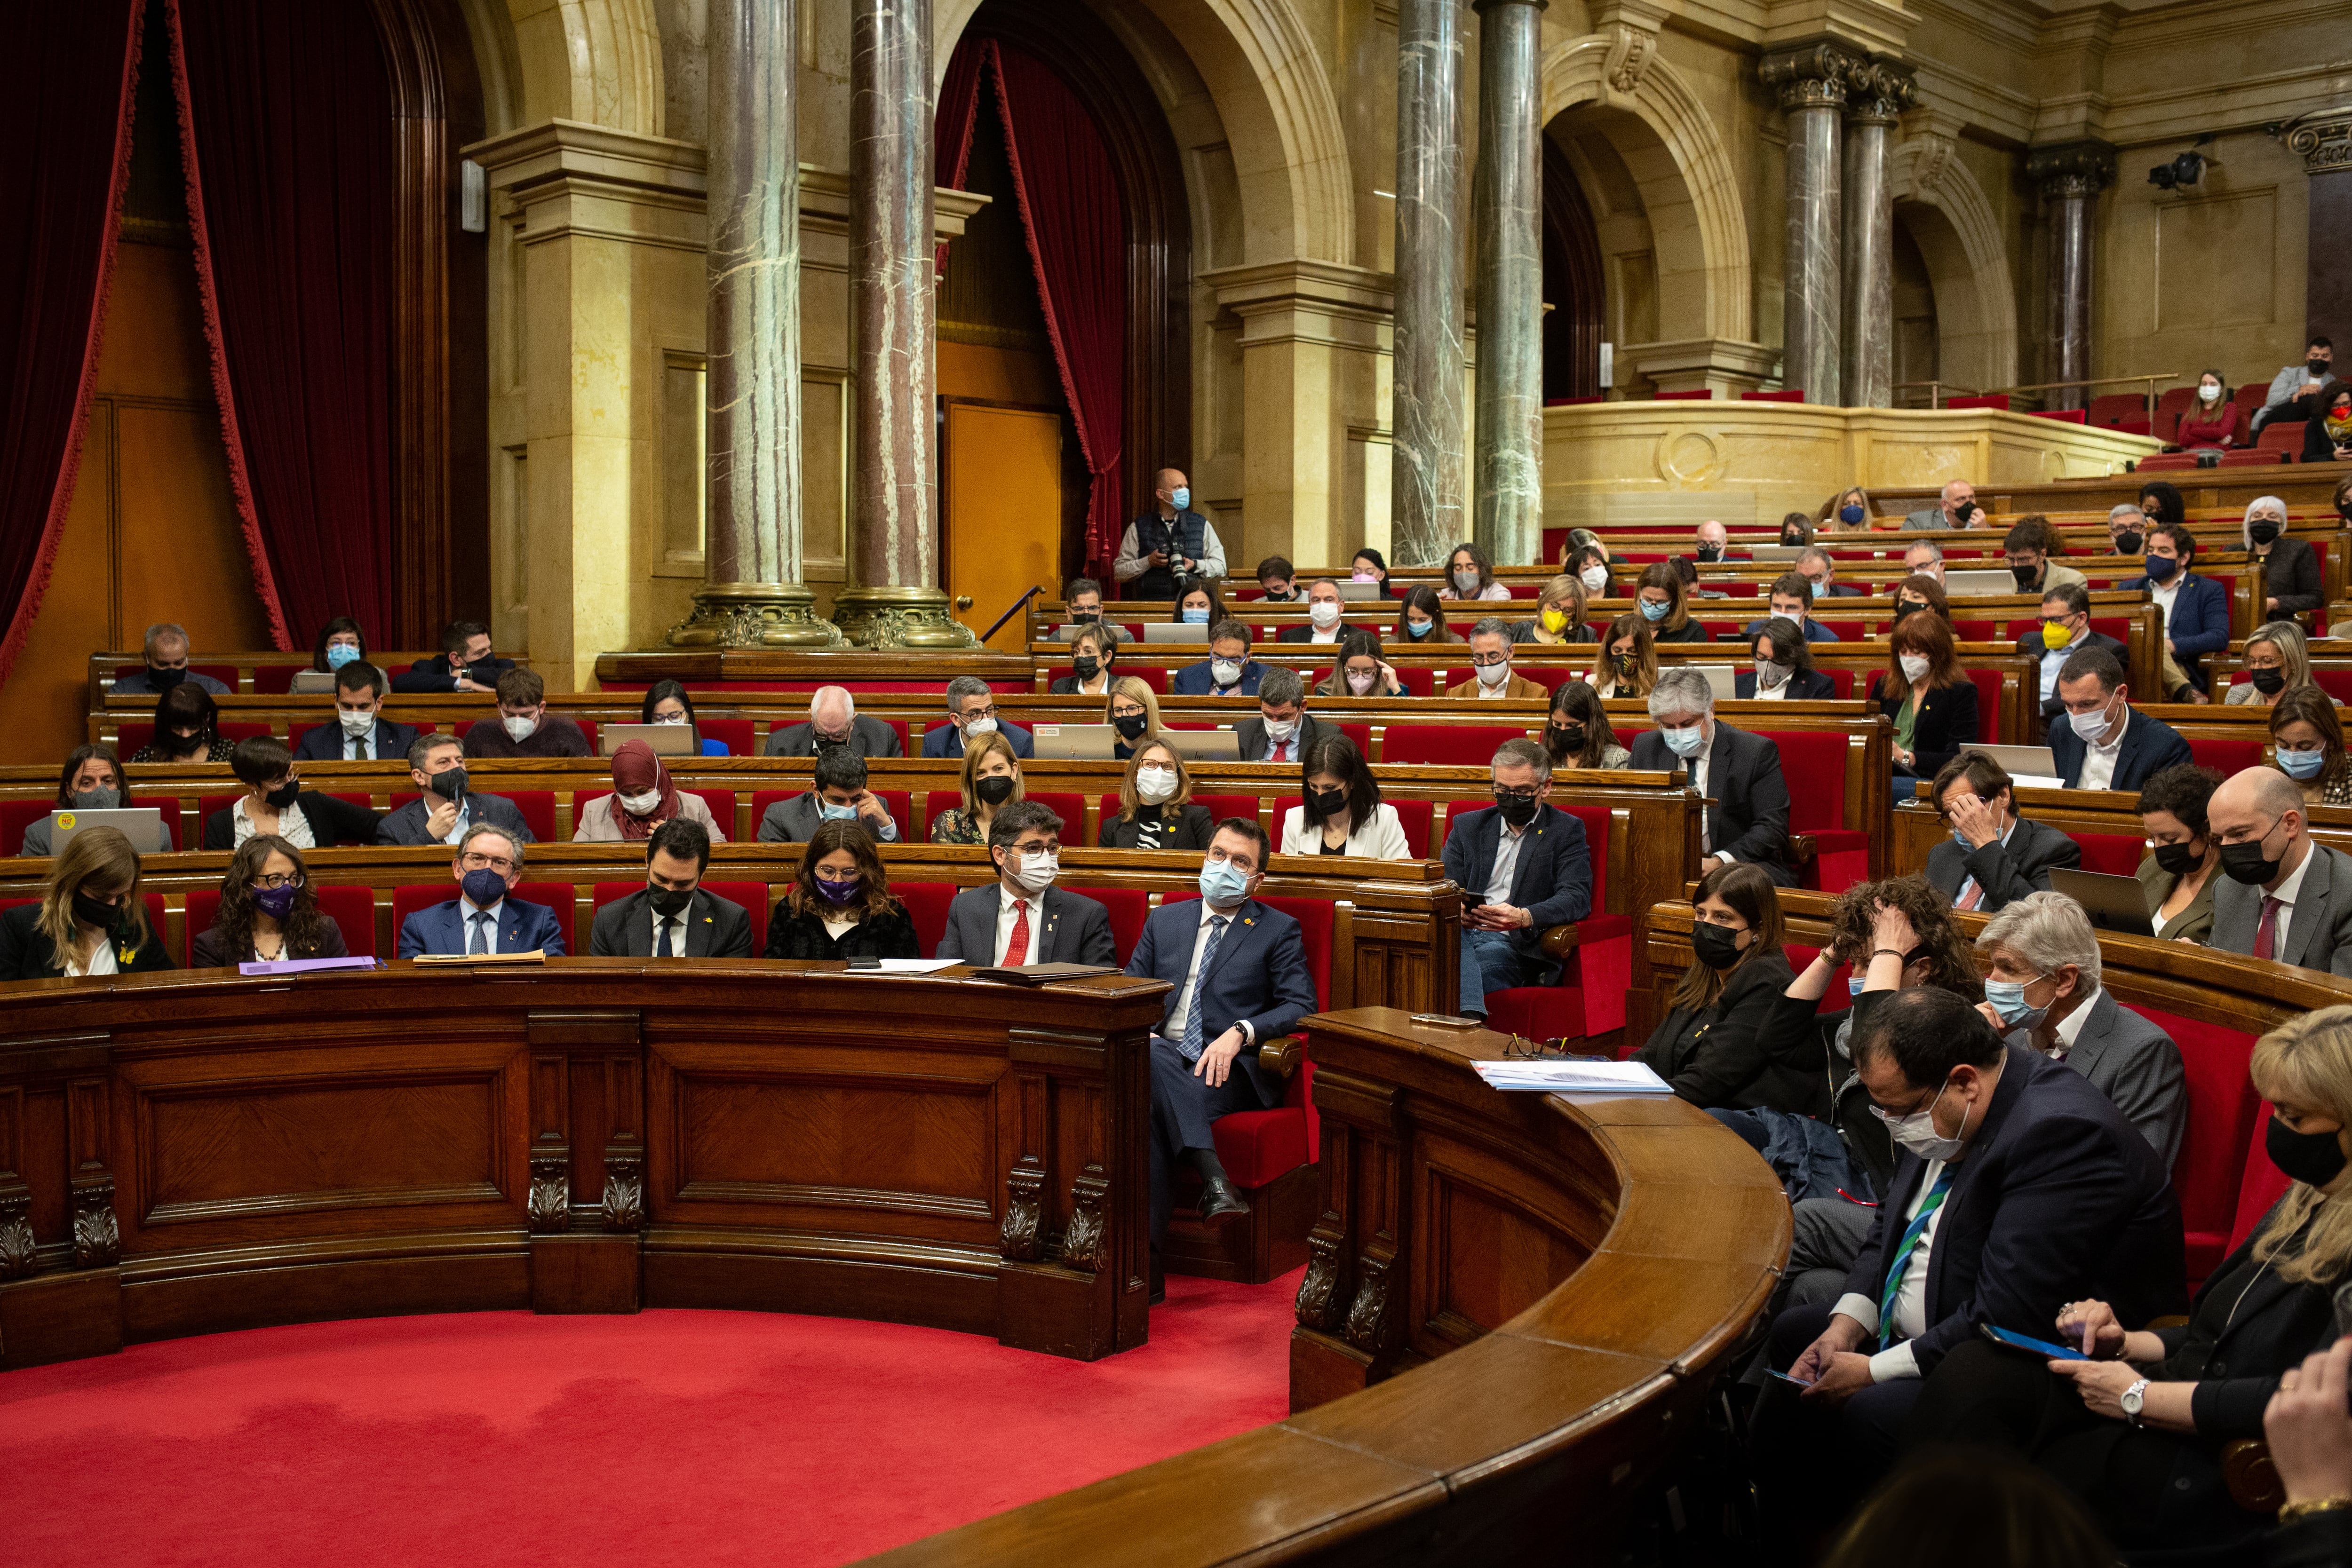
(1190, 1044)
(1902, 1264)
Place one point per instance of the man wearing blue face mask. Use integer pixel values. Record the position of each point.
(1168, 544)
(1747, 818)
(839, 795)
(482, 919)
(1239, 969)
(1994, 855)
(2101, 743)
(2196, 609)
(1820, 573)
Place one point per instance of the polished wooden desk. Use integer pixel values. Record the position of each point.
(189, 1152)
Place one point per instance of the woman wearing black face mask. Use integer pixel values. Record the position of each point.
(188, 730)
(1577, 732)
(2290, 566)
(2178, 875)
(91, 920)
(1706, 1046)
(2136, 1429)
(1093, 652)
(991, 778)
(267, 911)
(1133, 709)
(2275, 659)
(1340, 811)
(276, 802)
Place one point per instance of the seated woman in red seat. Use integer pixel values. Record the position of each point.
(1577, 732)
(2307, 745)
(840, 905)
(91, 781)
(2213, 422)
(991, 778)
(1931, 699)
(91, 919)
(1156, 811)
(1708, 1045)
(1340, 811)
(267, 911)
(2177, 877)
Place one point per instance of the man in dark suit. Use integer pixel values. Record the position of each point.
(840, 792)
(361, 733)
(2066, 629)
(1791, 599)
(1523, 868)
(1818, 569)
(2018, 1188)
(834, 721)
(1227, 672)
(2196, 609)
(1323, 611)
(2284, 896)
(1239, 969)
(482, 918)
(167, 666)
(464, 664)
(1738, 771)
(671, 917)
(1994, 855)
(1283, 730)
(437, 765)
(1021, 917)
(2103, 744)
(973, 706)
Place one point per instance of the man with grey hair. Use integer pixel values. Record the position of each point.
(1523, 868)
(1816, 568)
(2127, 528)
(1283, 730)
(1924, 558)
(2285, 896)
(1747, 818)
(1958, 509)
(167, 666)
(2042, 991)
(834, 721)
(971, 705)
(1490, 668)
(482, 919)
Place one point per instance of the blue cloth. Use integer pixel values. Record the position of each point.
(715, 748)
(2149, 747)
(944, 740)
(1553, 878)
(1498, 960)
(1192, 1046)
(442, 929)
(2198, 625)
(1808, 1156)
(1258, 973)
(1194, 680)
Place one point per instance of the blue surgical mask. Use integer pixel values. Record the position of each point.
(1849, 516)
(1222, 884)
(1854, 983)
(1196, 617)
(1685, 743)
(2008, 1000)
(1652, 611)
(1181, 497)
(1419, 627)
(341, 653)
(827, 811)
(1820, 587)
(2302, 764)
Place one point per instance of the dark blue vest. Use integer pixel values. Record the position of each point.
(1182, 534)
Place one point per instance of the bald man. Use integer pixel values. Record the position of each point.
(1168, 543)
(1956, 510)
(834, 720)
(2283, 897)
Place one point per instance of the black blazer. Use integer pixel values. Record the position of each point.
(206, 952)
(1749, 814)
(1945, 722)
(1250, 732)
(1804, 687)
(2291, 575)
(1194, 828)
(2008, 871)
(324, 742)
(2316, 447)
(2057, 1200)
(27, 955)
(2149, 747)
(1692, 631)
(791, 935)
(716, 928)
(1305, 632)
(1715, 1056)
(332, 823)
(2031, 648)
(431, 674)
(867, 738)
(1552, 880)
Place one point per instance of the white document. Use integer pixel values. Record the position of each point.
(914, 966)
(1574, 1077)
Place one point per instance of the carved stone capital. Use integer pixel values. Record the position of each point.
(17, 1243)
(2072, 169)
(97, 1244)
(1818, 75)
(1017, 1239)
(2323, 139)
(1082, 1245)
(1878, 93)
(624, 1190)
(1630, 50)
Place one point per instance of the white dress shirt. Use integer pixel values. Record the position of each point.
(1331, 635)
(1379, 837)
(2289, 886)
(292, 826)
(676, 924)
(1696, 768)
(2099, 761)
(1776, 694)
(466, 913)
(2163, 598)
(1910, 1297)
(1173, 1028)
(2070, 1028)
(102, 962)
(1007, 907)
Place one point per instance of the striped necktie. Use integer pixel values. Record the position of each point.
(1902, 1264)
(1192, 1044)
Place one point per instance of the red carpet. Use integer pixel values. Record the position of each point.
(668, 1437)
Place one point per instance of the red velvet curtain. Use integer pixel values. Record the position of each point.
(952, 120)
(286, 122)
(66, 121)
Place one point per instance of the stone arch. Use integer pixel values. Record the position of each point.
(596, 61)
(1948, 213)
(1697, 191)
(1281, 118)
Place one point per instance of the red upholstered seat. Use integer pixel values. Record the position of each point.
(2119, 411)
(1130, 908)
(2111, 854)
(2229, 756)
(2063, 415)
(16, 816)
(537, 806)
(1789, 394)
(722, 808)
(1454, 745)
(1994, 401)
(555, 896)
(2212, 1171)
(1801, 959)
(734, 734)
(2336, 684)
(1813, 764)
(927, 905)
(1070, 807)
(2164, 460)
(1361, 733)
(2260, 1185)
(274, 680)
(1590, 995)
(1704, 394)
(353, 909)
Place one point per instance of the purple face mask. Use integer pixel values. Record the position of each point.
(838, 892)
(275, 902)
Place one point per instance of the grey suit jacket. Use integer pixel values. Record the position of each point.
(2319, 935)
(716, 928)
(794, 821)
(2137, 1065)
(1077, 929)
(406, 826)
(867, 738)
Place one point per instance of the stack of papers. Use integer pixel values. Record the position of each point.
(1560, 1077)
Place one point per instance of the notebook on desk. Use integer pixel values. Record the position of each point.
(1219, 745)
(1175, 632)
(1978, 584)
(667, 739)
(2032, 767)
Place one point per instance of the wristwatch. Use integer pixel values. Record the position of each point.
(2134, 1398)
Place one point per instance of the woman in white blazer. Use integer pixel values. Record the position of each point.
(1342, 813)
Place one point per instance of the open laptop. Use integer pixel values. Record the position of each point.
(1174, 631)
(2033, 766)
(1219, 745)
(1978, 584)
(311, 683)
(1776, 552)
(1073, 742)
(2117, 904)
(667, 739)
(1721, 679)
(1351, 589)
(142, 825)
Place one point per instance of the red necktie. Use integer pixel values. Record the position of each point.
(1017, 950)
(2266, 934)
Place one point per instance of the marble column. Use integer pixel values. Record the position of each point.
(2070, 177)
(896, 601)
(1878, 97)
(1811, 82)
(1508, 511)
(751, 595)
(1428, 417)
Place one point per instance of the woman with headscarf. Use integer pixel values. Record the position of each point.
(643, 799)
(2290, 566)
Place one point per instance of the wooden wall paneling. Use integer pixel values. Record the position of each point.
(17, 1243)
(1350, 1306)
(587, 1112)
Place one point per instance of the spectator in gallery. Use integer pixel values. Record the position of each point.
(1421, 617)
(1156, 809)
(643, 797)
(90, 919)
(1491, 679)
(991, 779)
(91, 781)
(167, 666)
(2294, 383)
(673, 916)
(340, 643)
(446, 805)
(1628, 666)
(1470, 574)
(1661, 599)
(274, 802)
(1784, 668)
(2327, 433)
(483, 918)
(834, 720)
(1371, 566)
(1168, 543)
(837, 794)
(1577, 732)
(1339, 809)
(2275, 659)
(1359, 671)
(361, 733)
(1558, 619)
(2307, 746)
(464, 663)
(2180, 870)
(524, 727)
(2212, 422)
(268, 913)
(1093, 654)
(971, 709)
(840, 904)
(1956, 509)
(2291, 584)
(186, 729)
(668, 702)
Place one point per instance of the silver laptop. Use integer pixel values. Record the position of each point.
(1352, 590)
(311, 683)
(667, 739)
(1978, 584)
(2034, 766)
(142, 825)
(1219, 745)
(1073, 742)
(1720, 680)
(1174, 631)
(1776, 552)
(2117, 904)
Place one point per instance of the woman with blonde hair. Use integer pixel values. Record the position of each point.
(2276, 658)
(1559, 617)
(1848, 511)
(1155, 804)
(91, 919)
(1628, 666)
(992, 779)
(1131, 708)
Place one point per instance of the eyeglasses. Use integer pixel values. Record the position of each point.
(973, 715)
(1488, 660)
(477, 861)
(272, 883)
(1503, 794)
(1521, 1049)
